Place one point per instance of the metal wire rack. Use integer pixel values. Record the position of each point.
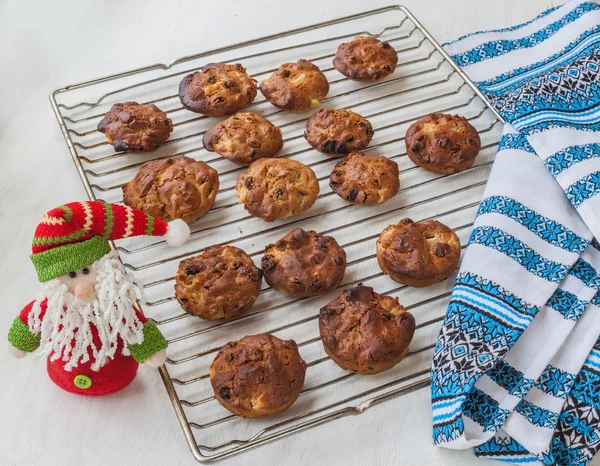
(426, 80)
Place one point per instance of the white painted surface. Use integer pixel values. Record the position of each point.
(49, 44)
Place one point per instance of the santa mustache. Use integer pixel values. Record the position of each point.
(77, 331)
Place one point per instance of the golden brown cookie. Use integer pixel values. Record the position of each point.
(133, 127)
(296, 86)
(304, 263)
(418, 254)
(442, 143)
(364, 331)
(219, 89)
(338, 132)
(244, 138)
(257, 376)
(177, 187)
(365, 59)
(365, 180)
(220, 283)
(277, 188)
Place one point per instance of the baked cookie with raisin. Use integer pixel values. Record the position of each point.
(418, 254)
(364, 331)
(176, 187)
(220, 283)
(257, 376)
(365, 180)
(133, 127)
(244, 138)
(442, 143)
(297, 87)
(365, 59)
(277, 188)
(304, 263)
(338, 132)
(219, 89)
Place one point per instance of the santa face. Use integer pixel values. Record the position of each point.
(88, 311)
(81, 282)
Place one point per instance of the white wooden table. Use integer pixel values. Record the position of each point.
(52, 43)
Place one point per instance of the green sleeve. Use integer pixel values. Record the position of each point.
(22, 338)
(153, 343)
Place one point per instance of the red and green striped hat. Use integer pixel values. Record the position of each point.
(76, 234)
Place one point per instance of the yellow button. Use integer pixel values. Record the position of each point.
(82, 381)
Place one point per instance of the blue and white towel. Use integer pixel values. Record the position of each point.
(516, 369)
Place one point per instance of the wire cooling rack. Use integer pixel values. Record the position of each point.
(425, 81)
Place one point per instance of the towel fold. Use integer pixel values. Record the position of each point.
(516, 369)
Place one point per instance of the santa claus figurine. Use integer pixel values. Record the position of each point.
(85, 321)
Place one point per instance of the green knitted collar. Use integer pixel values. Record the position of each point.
(64, 259)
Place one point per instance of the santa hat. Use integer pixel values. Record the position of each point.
(76, 234)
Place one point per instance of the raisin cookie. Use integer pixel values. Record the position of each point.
(304, 263)
(364, 331)
(365, 59)
(442, 143)
(418, 254)
(220, 283)
(219, 89)
(338, 132)
(244, 138)
(365, 180)
(133, 127)
(177, 187)
(257, 376)
(277, 188)
(296, 86)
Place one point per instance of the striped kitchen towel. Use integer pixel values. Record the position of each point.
(516, 369)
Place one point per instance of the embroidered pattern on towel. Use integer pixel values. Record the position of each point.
(577, 433)
(529, 273)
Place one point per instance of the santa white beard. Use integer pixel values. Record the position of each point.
(66, 329)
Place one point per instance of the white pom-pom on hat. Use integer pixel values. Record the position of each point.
(178, 233)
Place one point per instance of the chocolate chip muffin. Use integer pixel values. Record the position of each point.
(177, 187)
(219, 89)
(304, 263)
(133, 127)
(338, 132)
(257, 376)
(365, 59)
(365, 180)
(418, 254)
(277, 188)
(365, 332)
(296, 86)
(220, 283)
(442, 143)
(244, 138)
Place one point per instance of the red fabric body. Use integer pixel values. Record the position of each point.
(113, 376)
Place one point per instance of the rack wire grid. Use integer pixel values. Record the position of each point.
(425, 81)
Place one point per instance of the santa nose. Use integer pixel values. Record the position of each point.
(83, 290)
